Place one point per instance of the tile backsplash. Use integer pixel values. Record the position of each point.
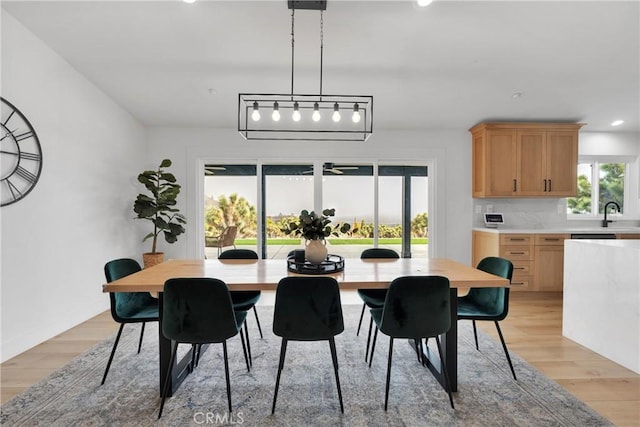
(535, 213)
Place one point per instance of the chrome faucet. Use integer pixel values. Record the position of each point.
(605, 221)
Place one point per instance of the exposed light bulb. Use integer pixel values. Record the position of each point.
(296, 112)
(316, 112)
(356, 113)
(336, 113)
(276, 112)
(256, 113)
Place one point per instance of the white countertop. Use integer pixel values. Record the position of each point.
(622, 243)
(561, 230)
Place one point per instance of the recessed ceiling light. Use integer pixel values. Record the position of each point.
(517, 95)
(617, 123)
(189, 1)
(424, 3)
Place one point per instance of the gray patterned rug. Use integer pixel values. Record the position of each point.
(487, 396)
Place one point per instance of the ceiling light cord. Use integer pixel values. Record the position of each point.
(321, 48)
(292, 47)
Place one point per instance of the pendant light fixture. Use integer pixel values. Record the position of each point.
(305, 117)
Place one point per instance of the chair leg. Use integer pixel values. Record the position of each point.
(366, 354)
(226, 372)
(475, 334)
(113, 351)
(446, 372)
(258, 322)
(418, 344)
(334, 357)
(373, 346)
(244, 349)
(386, 391)
(246, 333)
(361, 316)
(283, 351)
(194, 355)
(141, 335)
(165, 389)
(506, 352)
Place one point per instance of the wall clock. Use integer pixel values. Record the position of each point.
(21, 156)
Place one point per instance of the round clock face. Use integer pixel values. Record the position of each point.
(21, 156)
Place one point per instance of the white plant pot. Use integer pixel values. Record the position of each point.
(316, 251)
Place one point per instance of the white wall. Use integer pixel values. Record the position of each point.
(56, 240)
(447, 152)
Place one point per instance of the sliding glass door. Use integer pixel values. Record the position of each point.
(390, 212)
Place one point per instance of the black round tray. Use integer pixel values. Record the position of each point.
(333, 264)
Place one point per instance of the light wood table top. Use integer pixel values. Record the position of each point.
(265, 274)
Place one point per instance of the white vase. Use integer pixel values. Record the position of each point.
(315, 251)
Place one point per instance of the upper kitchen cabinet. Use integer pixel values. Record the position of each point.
(525, 159)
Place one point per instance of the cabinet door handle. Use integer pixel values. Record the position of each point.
(516, 253)
(545, 185)
(549, 239)
(549, 185)
(515, 185)
(517, 283)
(518, 268)
(516, 239)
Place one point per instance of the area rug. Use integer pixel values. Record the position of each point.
(487, 395)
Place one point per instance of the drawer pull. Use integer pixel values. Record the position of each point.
(517, 283)
(516, 253)
(516, 239)
(519, 268)
(549, 239)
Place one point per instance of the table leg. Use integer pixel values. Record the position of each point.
(449, 342)
(181, 368)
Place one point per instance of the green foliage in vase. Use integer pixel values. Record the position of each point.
(314, 226)
(159, 207)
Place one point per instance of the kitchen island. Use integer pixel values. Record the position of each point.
(601, 301)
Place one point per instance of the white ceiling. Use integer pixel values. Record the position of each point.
(450, 65)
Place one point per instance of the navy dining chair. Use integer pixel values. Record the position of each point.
(416, 307)
(489, 304)
(128, 307)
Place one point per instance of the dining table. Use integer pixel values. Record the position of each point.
(264, 275)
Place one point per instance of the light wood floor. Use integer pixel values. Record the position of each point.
(533, 330)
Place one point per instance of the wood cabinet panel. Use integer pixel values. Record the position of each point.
(549, 268)
(525, 159)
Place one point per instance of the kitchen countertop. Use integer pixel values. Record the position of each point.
(561, 230)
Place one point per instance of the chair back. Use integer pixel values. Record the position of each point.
(126, 305)
(228, 236)
(308, 308)
(379, 253)
(417, 307)
(239, 254)
(197, 310)
(494, 301)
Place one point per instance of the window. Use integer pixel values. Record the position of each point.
(610, 179)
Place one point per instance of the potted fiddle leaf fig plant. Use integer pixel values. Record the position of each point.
(315, 228)
(158, 207)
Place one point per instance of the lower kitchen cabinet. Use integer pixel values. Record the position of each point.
(538, 259)
(549, 262)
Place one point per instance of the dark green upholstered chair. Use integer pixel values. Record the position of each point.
(373, 298)
(490, 304)
(416, 307)
(199, 311)
(307, 309)
(244, 300)
(128, 307)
